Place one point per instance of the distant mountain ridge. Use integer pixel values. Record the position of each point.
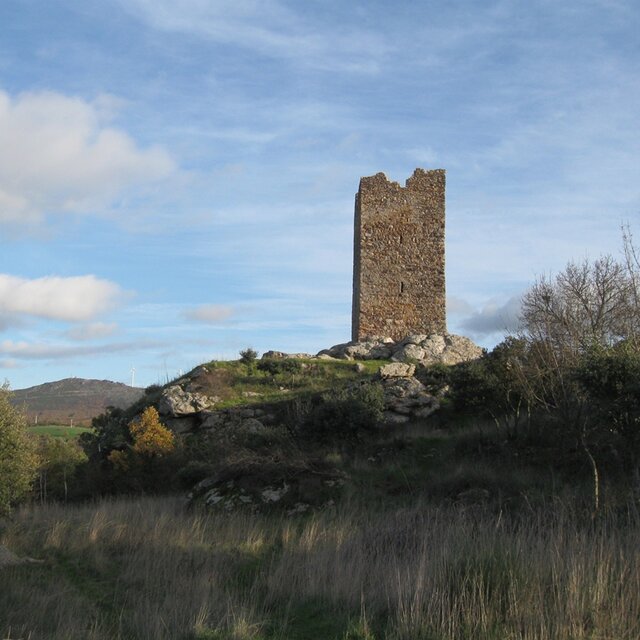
(73, 399)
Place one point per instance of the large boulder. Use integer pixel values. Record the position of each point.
(177, 402)
(460, 349)
(409, 352)
(406, 398)
(281, 355)
(377, 348)
(419, 348)
(397, 370)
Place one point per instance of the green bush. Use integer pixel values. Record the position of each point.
(248, 356)
(343, 416)
(435, 377)
(279, 366)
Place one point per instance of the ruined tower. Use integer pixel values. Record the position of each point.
(398, 262)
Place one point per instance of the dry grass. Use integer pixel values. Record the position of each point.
(146, 568)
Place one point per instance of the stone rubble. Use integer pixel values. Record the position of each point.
(420, 349)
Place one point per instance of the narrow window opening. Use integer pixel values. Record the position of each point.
(401, 287)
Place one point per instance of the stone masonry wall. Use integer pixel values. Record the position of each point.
(398, 274)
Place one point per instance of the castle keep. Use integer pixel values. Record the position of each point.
(398, 263)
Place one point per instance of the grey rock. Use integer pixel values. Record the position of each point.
(433, 347)
(325, 356)
(175, 401)
(426, 350)
(414, 339)
(281, 355)
(380, 352)
(460, 349)
(397, 370)
(409, 352)
(402, 387)
(406, 398)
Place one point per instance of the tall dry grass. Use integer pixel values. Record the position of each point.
(146, 568)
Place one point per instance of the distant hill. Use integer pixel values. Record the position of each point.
(74, 399)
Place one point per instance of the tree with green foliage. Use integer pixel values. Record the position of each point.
(248, 356)
(109, 431)
(18, 459)
(58, 460)
(610, 377)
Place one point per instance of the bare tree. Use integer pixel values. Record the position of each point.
(590, 305)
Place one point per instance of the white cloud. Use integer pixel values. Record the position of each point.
(92, 331)
(494, 318)
(209, 313)
(74, 299)
(58, 155)
(458, 306)
(23, 350)
(268, 27)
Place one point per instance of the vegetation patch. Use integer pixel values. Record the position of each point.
(58, 431)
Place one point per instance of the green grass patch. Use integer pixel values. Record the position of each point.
(236, 383)
(58, 431)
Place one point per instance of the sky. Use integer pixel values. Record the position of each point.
(177, 177)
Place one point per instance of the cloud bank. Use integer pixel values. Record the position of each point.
(209, 313)
(269, 27)
(58, 155)
(74, 299)
(494, 318)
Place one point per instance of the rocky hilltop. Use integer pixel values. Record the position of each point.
(248, 402)
(76, 399)
(200, 400)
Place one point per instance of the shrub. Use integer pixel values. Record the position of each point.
(150, 437)
(248, 356)
(344, 416)
(279, 366)
(436, 377)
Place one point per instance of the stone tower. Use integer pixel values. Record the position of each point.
(398, 262)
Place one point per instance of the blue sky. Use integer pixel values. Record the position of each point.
(177, 176)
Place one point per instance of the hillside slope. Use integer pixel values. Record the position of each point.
(76, 399)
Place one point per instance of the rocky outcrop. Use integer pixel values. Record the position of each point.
(405, 397)
(397, 370)
(176, 401)
(420, 349)
(280, 355)
(248, 418)
(292, 491)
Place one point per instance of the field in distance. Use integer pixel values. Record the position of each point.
(57, 431)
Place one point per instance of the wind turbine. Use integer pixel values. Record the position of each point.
(133, 375)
